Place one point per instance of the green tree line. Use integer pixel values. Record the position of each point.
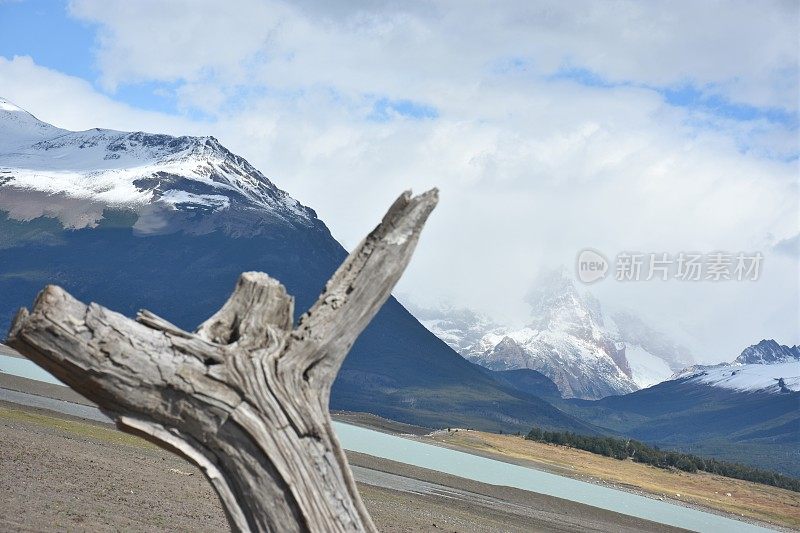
(652, 455)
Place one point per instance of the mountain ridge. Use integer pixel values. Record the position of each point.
(135, 220)
(765, 367)
(148, 173)
(768, 351)
(568, 338)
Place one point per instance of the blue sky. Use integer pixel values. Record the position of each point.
(44, 30)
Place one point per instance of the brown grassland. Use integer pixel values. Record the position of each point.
(753, 500)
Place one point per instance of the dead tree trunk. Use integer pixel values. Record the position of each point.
(245, 397)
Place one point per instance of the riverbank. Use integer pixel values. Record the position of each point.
(63, 473)
(761, 504)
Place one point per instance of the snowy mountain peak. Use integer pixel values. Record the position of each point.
(78, 174)
(568, 339)
(768, 352)
(765, 367)
(557, 305)
(19, 128)
(637, 333)
(555, 301)
(9, 107)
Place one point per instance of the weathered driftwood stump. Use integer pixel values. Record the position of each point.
(245, 397)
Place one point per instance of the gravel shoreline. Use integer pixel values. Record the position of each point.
(62, 473)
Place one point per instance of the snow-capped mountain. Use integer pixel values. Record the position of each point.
(568, 339)
(20, 128)
(766, 367)
(641, 339)
(152, 174)
(768, 352)
(140, 220)
(459, 328)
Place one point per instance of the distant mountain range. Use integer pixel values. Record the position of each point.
(568, 338)
(139, 220)
(625, 378)
(746, 411)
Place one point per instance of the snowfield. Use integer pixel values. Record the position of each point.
(775, 378)
(132, 169)
(647, 369)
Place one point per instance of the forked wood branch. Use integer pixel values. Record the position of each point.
(245, 397)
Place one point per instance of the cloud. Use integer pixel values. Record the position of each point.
(744, 51)
(549, 128)
(790, 246)
(181, 40)
(530, 174)
(73, 103)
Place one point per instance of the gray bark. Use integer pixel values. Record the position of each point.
(245, 396)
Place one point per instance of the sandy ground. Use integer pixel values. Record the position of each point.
(61, 473)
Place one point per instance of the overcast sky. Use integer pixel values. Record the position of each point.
(549, 127)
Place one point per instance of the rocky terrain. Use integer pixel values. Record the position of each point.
(568, 338)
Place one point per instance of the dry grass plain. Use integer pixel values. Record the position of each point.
(760, 502)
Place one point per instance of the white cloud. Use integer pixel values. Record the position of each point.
(176, 40)
(531, 169)
(73, 103)
(743, 50)
(532, 179)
